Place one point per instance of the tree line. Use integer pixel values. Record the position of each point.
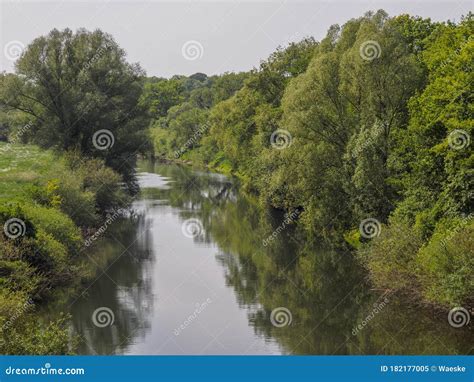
(366, 131)
(75, 96)
(364, 135)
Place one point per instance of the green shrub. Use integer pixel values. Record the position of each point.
(40, 249)
(390, 258)
(55, 223)
(17, 276)
(104, 183)
(13, 211)
(27, 336)
(51, 197)
(67, 194)
(353, 238)
(10, 302)
(77, 203)
(445, 264)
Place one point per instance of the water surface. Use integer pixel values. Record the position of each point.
(193, 271)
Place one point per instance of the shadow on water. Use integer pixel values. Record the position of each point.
(124, 288)
(283, 295)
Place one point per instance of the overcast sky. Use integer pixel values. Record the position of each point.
(195, 36)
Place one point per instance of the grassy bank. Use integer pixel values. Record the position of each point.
(49, 203)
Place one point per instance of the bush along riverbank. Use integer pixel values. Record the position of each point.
(52, 207)
(368, 132)
(74, 95)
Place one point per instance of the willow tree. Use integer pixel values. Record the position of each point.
(74, 85)
(344, 113)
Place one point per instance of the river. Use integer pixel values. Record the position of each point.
(195, 270)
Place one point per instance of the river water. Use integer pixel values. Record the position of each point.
(192, 271)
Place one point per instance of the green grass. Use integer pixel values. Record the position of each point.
(54, 200)
(39, 257)
(23, 165)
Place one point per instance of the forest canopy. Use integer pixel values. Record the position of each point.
(70, 86)
(365, 136)
(367, 132)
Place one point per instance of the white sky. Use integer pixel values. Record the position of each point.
(234, 35)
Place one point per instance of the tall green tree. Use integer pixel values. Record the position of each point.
(74, 85)
(439, 176)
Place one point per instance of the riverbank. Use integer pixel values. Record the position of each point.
(387, 170)
(203, 255)
(50, 205)
(397, 258)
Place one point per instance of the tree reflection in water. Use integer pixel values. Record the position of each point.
(321, 285)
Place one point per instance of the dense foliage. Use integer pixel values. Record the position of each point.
(69, 86)
(51, 199)
(435, 162)
(373, 122)
(179, 108)
(323, 287)
(54, 200)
